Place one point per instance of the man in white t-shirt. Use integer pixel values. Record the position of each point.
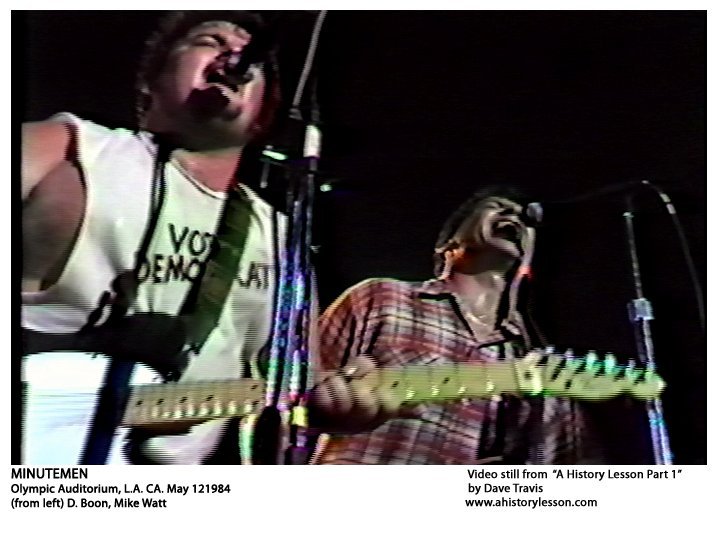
(118, 226)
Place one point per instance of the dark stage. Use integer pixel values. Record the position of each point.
(419, 109)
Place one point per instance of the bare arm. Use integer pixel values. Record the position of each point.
(53, 200)
(45, 146)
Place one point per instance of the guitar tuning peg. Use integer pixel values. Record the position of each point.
(648, 374)
(609, 362)
(573, 363)
(630, 367)
(592, 365)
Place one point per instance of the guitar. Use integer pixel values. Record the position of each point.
(61, 393)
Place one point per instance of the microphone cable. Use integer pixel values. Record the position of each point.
(533, 214)
(692, 270)
(309, 59)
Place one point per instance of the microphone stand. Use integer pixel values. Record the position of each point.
(640, 314)
(297, 363)
(285, 410)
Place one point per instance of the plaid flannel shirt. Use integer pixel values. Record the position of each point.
(402, 323)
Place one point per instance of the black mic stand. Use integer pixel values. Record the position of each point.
(285, 415)
(640, 314)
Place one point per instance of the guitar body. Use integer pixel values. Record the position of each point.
(60, 398)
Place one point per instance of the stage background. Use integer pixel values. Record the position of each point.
(419, 109)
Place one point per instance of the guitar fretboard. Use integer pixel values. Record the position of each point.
(555, 376)
(580, 379)
(164, 403)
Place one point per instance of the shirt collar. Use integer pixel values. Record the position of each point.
(438, 288)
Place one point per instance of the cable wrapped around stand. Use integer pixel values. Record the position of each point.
(280, 431)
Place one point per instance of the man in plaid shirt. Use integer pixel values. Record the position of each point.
(468, 314)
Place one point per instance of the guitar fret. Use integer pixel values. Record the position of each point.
(203, 410)
(158, 403)
(232, 407)
(559, 375)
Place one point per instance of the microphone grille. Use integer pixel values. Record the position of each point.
(534, 213)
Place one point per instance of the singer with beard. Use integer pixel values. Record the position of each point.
(118, 225)
(470, 313)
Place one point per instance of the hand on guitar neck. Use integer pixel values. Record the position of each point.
(347, 402)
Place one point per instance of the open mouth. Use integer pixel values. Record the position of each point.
(507, 230)
(218, 77)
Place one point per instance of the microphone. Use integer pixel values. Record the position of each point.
(534, 212)
(238, 62)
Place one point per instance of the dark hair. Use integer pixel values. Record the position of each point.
(175, 25)
(465, 210)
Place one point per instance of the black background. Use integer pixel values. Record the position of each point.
(420, 109)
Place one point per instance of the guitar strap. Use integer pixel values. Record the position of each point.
(204, 303)
(501, 435)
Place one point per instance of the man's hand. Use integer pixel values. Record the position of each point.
(349, 402)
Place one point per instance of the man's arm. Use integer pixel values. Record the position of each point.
(340, 402)
(53, 200)
(45, 146)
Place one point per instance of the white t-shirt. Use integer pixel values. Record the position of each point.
(117, 170)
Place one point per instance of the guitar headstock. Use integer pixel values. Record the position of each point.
(585, 377)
